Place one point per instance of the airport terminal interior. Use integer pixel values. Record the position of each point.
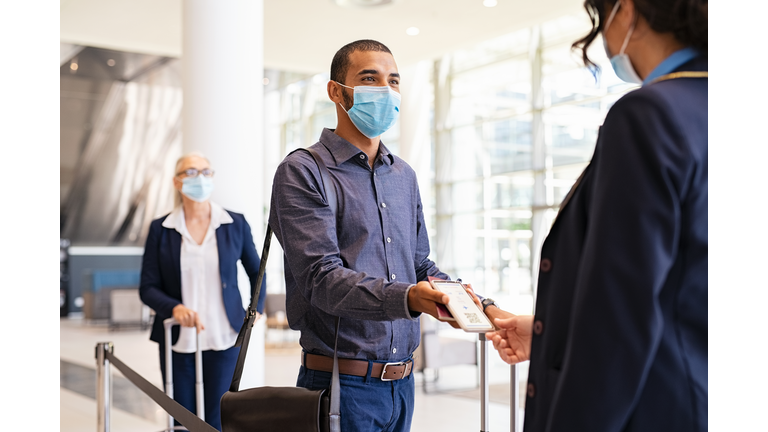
(499, 117)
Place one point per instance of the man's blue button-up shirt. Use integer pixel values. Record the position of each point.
(358, 264)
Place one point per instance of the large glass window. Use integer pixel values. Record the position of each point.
(520, 127)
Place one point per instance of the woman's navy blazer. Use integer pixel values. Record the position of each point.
(620, 325)
(160, 286)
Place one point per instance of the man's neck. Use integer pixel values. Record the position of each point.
(369, 146)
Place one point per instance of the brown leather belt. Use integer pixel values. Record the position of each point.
(382, 371)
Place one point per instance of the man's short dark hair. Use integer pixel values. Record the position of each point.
(340, 63)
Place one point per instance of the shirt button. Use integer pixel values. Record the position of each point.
(531, 391)
(362, 156)
(394, 350)
(546, 265)
(384, 205)
(538, 327)
(393, 276)
(389, 240)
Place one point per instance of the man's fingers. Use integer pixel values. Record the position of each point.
(435, 296)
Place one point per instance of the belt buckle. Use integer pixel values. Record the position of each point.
(384, 370)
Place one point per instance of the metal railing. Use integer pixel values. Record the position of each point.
(105, 359)
(514, 394)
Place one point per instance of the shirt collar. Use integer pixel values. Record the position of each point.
(342, 150)
(175, 219)
(671, 63)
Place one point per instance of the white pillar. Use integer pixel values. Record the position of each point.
(222, 72)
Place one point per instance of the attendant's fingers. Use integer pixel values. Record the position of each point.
(506, 323)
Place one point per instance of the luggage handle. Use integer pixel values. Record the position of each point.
(168, 324)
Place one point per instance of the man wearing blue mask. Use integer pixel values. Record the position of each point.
(364, 261)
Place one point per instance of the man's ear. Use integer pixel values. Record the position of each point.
(334, 92)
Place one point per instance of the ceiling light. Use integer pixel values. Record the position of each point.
(489, 3)
(110, 62)
(265, 81)
(412, 31)
(73, 66)
(363, 3)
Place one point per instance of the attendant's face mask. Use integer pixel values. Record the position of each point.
(198, 188)
(620, 62)
(375, 109)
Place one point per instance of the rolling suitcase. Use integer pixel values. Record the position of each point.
(168, 324)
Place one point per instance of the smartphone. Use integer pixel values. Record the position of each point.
(463, 308)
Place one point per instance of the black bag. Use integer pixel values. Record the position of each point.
(285, 409)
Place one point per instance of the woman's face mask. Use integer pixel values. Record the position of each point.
(620, 62)
(198, 188)
(375, 109)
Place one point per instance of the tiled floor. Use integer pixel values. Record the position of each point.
(455, 406)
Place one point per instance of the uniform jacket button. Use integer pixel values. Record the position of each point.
(546, 265)
(531, 390)
(224, 285)
(538, 327)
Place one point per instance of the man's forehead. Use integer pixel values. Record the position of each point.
(379, 61)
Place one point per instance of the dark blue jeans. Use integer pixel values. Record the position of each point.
(218, 368)
(367, 404)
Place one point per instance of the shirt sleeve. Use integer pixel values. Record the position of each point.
(305, 226)
(642, 167)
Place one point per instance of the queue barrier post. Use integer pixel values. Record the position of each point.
(103, 386)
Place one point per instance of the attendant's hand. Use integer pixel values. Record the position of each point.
(513, 338)
(475, 298)
(423, 298)
(187, 317)
(258, 316)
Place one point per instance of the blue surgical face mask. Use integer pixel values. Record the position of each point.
(197, 188)
(375, 109)
(620, 62)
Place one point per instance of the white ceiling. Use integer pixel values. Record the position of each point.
(303, 35)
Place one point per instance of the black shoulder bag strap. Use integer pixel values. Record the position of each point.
(244, 336)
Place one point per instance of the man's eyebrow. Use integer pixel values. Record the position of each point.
(368, 71)
(395, 74)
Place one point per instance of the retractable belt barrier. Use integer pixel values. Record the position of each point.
(105, 357)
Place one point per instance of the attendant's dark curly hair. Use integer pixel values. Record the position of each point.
(685, 19)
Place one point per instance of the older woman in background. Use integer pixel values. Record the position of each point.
(189, 272)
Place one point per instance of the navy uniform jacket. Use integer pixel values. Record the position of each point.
(620, 326)
(160, 286)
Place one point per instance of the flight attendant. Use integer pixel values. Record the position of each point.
(618, 341)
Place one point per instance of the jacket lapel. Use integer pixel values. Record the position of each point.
(222, 237)
(175, 238)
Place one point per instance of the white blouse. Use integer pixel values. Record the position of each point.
(201, 284)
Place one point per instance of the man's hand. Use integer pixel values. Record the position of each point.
(513, 338)
(187, 317)
(423, 298)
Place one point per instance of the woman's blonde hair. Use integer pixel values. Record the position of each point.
(176, 169)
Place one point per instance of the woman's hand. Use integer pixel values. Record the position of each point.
(187, 317)
(513, 338)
